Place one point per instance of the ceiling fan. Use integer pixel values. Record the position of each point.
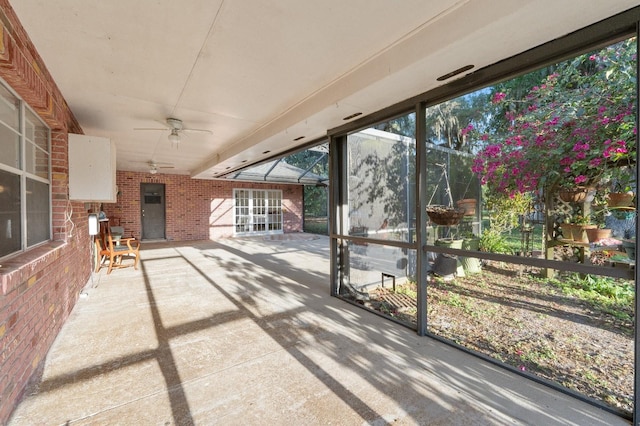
(154, 166)
(176, 127)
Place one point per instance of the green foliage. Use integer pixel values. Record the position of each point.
(449, 121)
(315, 225)
(315, 198)
(494, 242)
(507, 210)
(410, 290)
(613, 296)
(505, 215)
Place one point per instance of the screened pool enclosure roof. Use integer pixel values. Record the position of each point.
(282, 171)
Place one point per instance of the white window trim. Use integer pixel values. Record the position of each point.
(24, 174)
(251, 217)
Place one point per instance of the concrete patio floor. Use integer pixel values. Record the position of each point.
(244, 332)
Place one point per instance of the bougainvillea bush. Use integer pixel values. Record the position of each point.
(576, 127)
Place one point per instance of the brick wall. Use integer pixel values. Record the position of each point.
(196, 209)
(40, 287)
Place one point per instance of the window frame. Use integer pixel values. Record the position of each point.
(27, 172)
(271, 200)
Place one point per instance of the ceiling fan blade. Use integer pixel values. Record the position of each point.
(147, 128)
(160, 164)
(198, 131)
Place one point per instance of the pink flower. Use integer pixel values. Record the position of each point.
(580, 179)
(466, 129)
(566, 161)
(498, 97)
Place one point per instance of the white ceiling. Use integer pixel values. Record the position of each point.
(259, 74)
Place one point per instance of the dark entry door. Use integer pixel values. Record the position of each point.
(152, 211)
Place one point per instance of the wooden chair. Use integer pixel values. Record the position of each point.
(115, 251)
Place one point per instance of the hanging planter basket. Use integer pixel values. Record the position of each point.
(579, 194)
(620, 199)
(445, 216)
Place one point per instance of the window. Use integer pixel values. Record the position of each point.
(25, 185)
(381, 170)
(257, 211)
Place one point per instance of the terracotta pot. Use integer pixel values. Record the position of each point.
(596, 234)
(469, 206)
(579, 232)
(620, 199)
(567, 231)
(579, 194)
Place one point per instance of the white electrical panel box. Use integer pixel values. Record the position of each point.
(92, 169)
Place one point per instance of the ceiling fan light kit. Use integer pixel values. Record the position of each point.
(174, 136)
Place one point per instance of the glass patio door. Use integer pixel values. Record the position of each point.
(257, 212)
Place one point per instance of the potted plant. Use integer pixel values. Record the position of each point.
(471, 265)
(469, 205)
(600, 231)
(621, 187)
(581, 224)
(567, 230)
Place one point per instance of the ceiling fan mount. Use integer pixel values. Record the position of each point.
(175, 124)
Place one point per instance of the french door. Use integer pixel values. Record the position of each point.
(257, 211)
